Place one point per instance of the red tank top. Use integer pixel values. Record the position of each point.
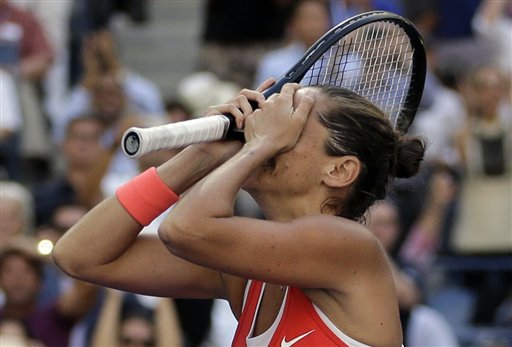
(299, 324)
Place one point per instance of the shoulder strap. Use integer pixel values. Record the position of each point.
(248, 313)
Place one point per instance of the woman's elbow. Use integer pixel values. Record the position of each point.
(67, 260)
(174, 234)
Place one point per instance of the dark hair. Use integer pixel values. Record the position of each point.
(175, 104)
(82, 118)
(359, 128)
(139, 313)
(31, 259)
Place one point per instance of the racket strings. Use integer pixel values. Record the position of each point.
(375, 61)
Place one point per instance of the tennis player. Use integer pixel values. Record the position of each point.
(311, 274)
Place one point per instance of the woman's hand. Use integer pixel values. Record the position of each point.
(240, 107)
(278, 123)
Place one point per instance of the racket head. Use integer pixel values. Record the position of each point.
(378, 54)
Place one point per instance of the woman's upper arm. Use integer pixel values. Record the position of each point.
(149, 268)
(311, 252)
(104, 248)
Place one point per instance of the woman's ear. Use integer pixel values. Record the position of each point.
(342, 171)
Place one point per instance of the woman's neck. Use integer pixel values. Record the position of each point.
(286, 207)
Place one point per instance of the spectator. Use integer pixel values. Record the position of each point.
(21, 275)
(55, 282)
(27, 54)
(441, 114)
(79, 180)
(309, 19)
(62, 219)
(493, 22)
(10, 127)
(54, 17)
(485, 141)
(110, 167)
(458, 48)
(30, 55)
(138, 327)
(89, 16)
(235, 38)
(100, 59)
(16, 213)
(486, 148)
(109, 106)
(427, 235)
(422, 325)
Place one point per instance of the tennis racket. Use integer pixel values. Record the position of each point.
(378, 54)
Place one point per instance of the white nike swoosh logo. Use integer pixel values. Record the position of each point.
(295, 340)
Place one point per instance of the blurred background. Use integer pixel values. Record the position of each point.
(75, 74)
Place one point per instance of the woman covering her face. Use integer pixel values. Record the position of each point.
(310, 274)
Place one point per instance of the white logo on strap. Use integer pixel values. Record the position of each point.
(284, 343)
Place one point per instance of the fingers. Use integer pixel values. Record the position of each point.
(239, 108)
(277, 121)
(266, 84)
(254, 96)
(245, 108)
(287, 91)
(305, 106)
(290, 88)
(225, 109)
(248, 100)
(242, 102)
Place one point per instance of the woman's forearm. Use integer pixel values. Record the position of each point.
(191, 230)
(215, 195)
(193, 163)
(108, 231)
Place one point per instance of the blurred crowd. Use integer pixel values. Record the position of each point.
(67, 98)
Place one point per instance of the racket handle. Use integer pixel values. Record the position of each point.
(139, 141)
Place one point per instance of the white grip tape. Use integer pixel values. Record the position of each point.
(177, 135)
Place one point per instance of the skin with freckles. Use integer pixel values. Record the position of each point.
(295, 176)
(307, 152)
(204, 250)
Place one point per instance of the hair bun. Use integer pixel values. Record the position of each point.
(409, 154)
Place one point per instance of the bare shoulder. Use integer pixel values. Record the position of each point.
(352, 254)
(341, 232)
(361, 280)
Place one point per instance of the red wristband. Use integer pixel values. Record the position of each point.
(146, 196)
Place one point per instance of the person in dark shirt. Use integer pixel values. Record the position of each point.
(21, 278)
(81, 151)
(235, 37)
